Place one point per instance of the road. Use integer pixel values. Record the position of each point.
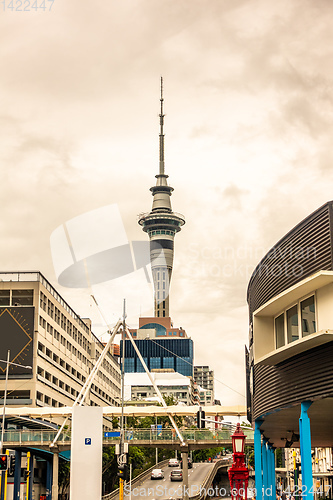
(162, 489)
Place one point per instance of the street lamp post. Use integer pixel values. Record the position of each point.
(238, 472)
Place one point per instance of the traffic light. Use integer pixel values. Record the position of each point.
(123, 472)
(11, 467)
(3, 462)
(201, 419)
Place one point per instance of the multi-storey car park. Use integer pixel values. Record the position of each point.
(42, 331)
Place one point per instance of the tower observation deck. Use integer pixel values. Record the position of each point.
(161, 224)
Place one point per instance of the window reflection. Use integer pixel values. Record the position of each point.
(279, 330)
(299, 321)
(308, 316)
(292, 324)
(4, 298)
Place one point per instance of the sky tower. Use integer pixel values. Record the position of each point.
(161, 224)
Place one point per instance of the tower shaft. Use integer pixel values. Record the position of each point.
(161, 224)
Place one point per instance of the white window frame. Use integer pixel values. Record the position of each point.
(299, 314)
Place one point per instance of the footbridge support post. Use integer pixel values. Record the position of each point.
(184, 452)
(55, 473)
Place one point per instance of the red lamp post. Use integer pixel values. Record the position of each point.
(238, 472)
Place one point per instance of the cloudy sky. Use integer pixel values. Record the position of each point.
(248, 103)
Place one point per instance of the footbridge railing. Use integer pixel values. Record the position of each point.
(132, 436)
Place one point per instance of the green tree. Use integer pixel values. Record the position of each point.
(63, 478)
(204, 455)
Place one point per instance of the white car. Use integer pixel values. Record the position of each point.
(157, 474)
(173, 462)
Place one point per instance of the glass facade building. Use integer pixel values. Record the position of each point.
(176, 354)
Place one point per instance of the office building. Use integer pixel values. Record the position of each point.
(42, 331)
(157, 353)
(205, 378)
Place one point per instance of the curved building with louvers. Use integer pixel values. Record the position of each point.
(161, 224)
(289, 360)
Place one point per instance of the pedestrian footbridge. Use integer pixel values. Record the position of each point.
(164, 438)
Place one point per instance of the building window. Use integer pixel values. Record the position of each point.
(22, 297)
(43, 301)
(296, 322)
(292, 324)
(4, 297)
(50, 308)
(308, 316)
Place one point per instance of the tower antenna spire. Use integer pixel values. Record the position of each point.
(161, 136)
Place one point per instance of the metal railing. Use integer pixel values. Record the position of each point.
(188, 435)
(137, 480)
(44, 437)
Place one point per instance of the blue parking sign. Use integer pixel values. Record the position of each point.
(87, 441)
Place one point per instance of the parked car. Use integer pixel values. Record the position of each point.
(176, 475)
(157, 474)
(189, 463)
(173, 462)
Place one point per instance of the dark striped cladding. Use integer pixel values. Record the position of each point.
(307, 376)
(305, 250)
(158, 244)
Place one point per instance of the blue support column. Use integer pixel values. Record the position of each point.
(49, 472)
(258, 458)
(17, 475)
(305, 443)
(271, 469)
(264, 466)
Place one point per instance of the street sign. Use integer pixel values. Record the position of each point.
(87, 440)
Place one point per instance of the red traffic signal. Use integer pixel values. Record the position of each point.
(3, 462)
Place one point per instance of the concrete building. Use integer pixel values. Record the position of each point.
(289, 360)
(205, 397)
(205, 378)
(139, 387)
(41, 330)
